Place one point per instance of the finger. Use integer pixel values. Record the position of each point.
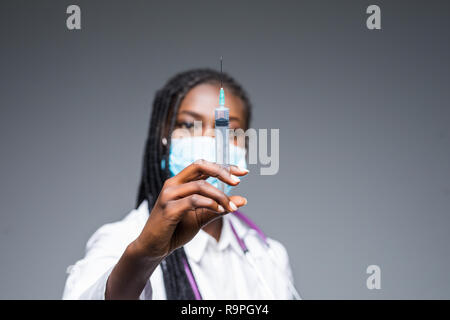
(239, 201)
(206, 189)
(238, 171)
(206, 215)
(202, 168)
(193, 202)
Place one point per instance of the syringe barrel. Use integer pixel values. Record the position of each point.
(222, 119)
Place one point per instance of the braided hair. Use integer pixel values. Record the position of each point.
(162, 123)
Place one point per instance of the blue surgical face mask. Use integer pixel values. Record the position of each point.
(184, 151)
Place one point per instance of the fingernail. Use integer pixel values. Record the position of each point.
(233, 206)
(243, 169)
(235, 179)
(220, 209)
(245, 199)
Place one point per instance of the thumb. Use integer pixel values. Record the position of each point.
(238, 201)
(206, 215)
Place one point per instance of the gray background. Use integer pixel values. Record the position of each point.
(363, 117)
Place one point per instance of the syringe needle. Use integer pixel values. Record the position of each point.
(221, 58)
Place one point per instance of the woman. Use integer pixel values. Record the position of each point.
(181, 242)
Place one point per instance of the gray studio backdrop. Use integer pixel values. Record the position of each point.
(363, 118)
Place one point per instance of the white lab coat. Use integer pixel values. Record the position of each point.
(221, 270)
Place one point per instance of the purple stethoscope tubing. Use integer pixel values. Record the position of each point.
(252, 225)
(263, 237)
(244, 248)
(241, 242)
(192, 280)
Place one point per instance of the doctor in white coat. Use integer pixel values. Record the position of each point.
(185, 238)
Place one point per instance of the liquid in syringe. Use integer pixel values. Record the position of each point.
(222, 119)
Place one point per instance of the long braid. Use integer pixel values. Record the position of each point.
(162, 122)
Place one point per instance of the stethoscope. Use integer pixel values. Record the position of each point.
(250, 260)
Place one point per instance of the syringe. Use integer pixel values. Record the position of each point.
(222, 119)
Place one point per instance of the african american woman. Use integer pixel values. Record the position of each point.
(185, 239)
